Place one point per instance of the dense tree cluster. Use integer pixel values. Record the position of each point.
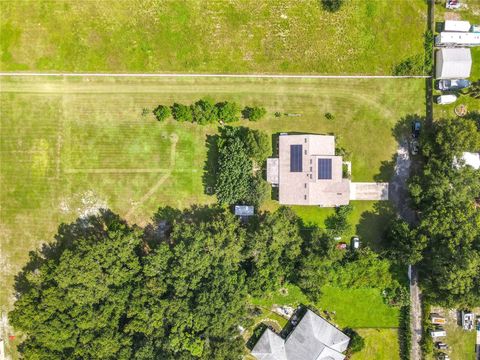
(239, 149)
(446, 243)
(205, 111)
(177, 289)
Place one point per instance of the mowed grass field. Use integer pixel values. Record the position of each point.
(364, 37)
(71, 145)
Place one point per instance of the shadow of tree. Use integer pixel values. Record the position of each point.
(210, 166)
(95, 226)
(387, 170)
(373, 224)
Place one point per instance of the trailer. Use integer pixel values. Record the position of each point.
(437, 319)
(454, 25)
(457, 39)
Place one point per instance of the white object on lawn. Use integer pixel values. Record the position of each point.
(446, 99)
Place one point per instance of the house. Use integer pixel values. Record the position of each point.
(307, 172)
(438, 333)
(453, 63)
(314, 338)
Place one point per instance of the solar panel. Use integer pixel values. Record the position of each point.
(324, 169)
(295, 158)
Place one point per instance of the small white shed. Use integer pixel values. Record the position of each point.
(456, 25)
(453, 63)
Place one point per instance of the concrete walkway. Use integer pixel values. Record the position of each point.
(188, 75)
(368, 191)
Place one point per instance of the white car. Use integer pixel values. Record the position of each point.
(355, 242)
(446, 99)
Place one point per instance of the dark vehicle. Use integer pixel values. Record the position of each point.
(414, 147)
(453, 84)
(416, 125)
(441, 345)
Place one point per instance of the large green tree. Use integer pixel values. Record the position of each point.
(73, 299)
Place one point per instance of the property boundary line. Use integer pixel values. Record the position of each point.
(189, 75)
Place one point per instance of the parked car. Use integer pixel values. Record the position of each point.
(355, 242)
(414, 147)
(453, 4)
(441, 345)
(457, 84)
(341, 246)
(416, 126)
(446, 99)
(443, 356)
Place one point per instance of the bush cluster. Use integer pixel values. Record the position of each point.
(205, 111)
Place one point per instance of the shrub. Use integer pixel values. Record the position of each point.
(162, 112)
(253, 113)
(260, 191)
(227, 111)
(329, 116)
(357, 343)
(405, 333)
(181, 112)
(204, 112)
(332, 5)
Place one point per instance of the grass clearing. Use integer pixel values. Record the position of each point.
(380, 344)
(70, 145)
(217, 36)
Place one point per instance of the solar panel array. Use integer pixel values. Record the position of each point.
(324, 169)
(296, 158)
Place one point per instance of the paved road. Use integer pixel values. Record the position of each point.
(266, 76)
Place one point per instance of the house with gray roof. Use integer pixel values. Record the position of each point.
(314, 338)
(307, 172)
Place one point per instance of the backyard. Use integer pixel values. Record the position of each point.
(69, 146)
(215, 36)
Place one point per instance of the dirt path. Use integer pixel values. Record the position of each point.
(415, 314)
(266, 76)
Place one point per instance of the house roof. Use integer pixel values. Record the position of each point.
(313, 338)
(309, 173)
(453, 63)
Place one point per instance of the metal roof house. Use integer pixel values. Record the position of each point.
(451, 38)
(313, 338)
(453, 63)
(309, 172)
(244, 210)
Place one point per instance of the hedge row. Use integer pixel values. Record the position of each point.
(205, 111)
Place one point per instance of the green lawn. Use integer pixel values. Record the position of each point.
(380, 344)
(364, 37)
(71, 145)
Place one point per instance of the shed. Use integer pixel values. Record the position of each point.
(438, 333)
(456, 25)
(453, 63)
(244, 210)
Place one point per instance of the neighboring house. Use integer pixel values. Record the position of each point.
(453, 63)
(314, 338)
(307, 172)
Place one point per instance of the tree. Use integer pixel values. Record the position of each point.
(338, 223)
(253, 113)
(273, 251)
(228, 111)
(234, 173)
(181, 112)
(357, 343)
(332, 5)
(204, 112)
(405, 245)
(260, 191)
(259, 145)
(74, 297)
(162, 112)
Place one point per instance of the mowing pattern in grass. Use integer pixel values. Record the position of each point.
(70, 145)
(364, 37)
(380, 344)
